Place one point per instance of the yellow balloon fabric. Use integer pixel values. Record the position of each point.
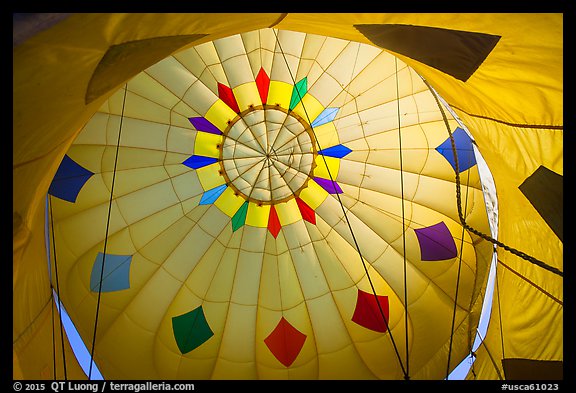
(195, 167)
(281, 192)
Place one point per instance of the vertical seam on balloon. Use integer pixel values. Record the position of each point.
(345, 216)
(159, 266)
(500, 324)
(483, 342)
(203, 296)
(305, 300)
(500, 315)
(180, 99)
(458, 281)
(229, 302)
(260, 285)
(354, 284)
(106, 235)
(58, 294)
(407, 372)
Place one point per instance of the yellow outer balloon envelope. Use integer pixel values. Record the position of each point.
(516, 123)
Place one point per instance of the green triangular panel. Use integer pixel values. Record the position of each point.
(298, 92)
(191, 330)
(240, 216)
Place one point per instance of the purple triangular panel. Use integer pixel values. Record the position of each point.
(331, 186)
(436, 242)
(201, 124)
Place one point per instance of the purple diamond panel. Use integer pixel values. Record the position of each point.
(436, 242)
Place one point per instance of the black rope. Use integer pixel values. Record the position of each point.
(483, 343)
(484, 236)
(457, 287)
(58, 293)
(106, 235)
(344, 212)
(53, 335)
(407, 374)
(500, 317)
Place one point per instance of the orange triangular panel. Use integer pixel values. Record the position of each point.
(274, 222)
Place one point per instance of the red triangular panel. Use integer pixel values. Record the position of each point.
(263, 83)
(227, 95)
(285, 342)
(273, 222)
(307, 212)
(367, 312)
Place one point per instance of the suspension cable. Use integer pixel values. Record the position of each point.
(52, 306)
(344, 212)
(457, 283)
(500, 317)
(483, 343)
(484, 236)
(407, 374)
(58, 293)
(106, 235)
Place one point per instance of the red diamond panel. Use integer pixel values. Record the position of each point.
(285, 342)
(367, 312)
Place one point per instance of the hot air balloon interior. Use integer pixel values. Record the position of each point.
(284, 203)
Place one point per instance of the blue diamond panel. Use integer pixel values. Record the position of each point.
(116, 276)
(464, 150)
(69, 180)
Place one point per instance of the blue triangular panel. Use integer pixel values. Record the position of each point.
(196, 162)
(210, 196)
(116, 274)
(69, 180)
(337, 151)
(326, 116)
(464, 150)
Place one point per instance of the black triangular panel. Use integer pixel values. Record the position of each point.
(457, 53)
(544, 189)
(123, 61)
